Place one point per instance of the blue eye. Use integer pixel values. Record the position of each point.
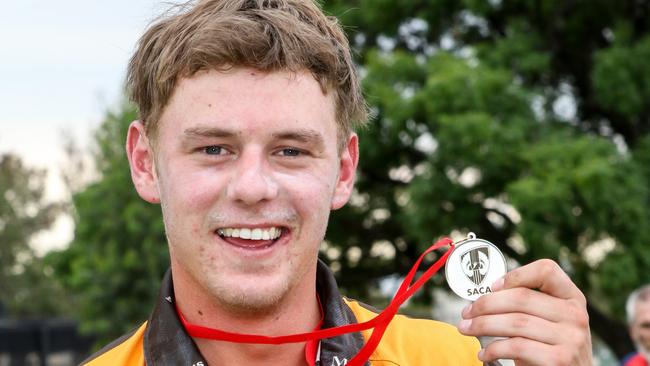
(213, 150)
(290, 152)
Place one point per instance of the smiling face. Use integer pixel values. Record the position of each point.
(640, 328)
(247, 169)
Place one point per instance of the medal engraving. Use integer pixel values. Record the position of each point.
(473, 266)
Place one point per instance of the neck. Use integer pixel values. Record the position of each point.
(297, 312)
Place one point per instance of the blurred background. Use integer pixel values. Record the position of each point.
(524, 121)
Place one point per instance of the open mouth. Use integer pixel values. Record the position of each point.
(252, 238)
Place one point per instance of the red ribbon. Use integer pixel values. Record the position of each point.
(379, 322)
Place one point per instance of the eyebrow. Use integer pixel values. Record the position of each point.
(194, 132)
(305, 136)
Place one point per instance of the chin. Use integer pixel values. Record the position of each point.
(251, 295)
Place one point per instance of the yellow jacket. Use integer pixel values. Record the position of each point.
(162, 340)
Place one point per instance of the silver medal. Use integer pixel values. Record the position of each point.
(473, 266)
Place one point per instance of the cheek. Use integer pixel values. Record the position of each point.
(640, 334)
(311, 193)
(315, 203)
(191, 190)
(210, 256)
(186, 199)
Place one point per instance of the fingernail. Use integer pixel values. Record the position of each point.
(497, 285)
(466, 310)
(480, 354)
(463, 325)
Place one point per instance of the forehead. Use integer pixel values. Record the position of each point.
(249, 100)
(643, 311)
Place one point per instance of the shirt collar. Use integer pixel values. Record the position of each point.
(167, 343)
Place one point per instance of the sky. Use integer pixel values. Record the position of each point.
(62, 66)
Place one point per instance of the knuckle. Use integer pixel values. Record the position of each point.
(521, 296)
(579, 314)
(583, 341)
(564, 357)
(575, 337)
(548, 266)
(521, 321)
(582, 320)
(512, 277)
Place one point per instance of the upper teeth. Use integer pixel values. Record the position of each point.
(252, 234)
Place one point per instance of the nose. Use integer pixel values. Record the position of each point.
(251, 180)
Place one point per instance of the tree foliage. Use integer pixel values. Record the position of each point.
(25, 281)
(526, 122)
(118, 256)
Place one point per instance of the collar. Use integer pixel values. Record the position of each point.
(166, 342)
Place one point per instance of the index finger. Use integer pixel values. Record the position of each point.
(544, 275)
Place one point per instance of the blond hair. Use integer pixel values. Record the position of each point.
(268, 35)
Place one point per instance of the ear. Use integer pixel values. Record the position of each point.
(347, 172)
(141, 161)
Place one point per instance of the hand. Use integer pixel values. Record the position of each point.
(540, 311)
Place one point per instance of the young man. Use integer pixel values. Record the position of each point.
(245, 138)
(637, 308)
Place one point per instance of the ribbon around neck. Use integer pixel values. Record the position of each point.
(379, 322)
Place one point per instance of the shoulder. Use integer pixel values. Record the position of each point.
(126, 350)
(410, 341)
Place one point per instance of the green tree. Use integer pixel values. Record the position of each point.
(26, 284)
(524, 121)
(118, 255)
